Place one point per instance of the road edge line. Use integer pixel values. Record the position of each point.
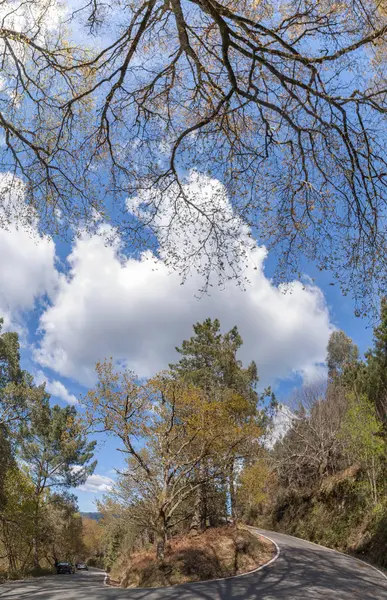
(384, 575)
(266, 564)
(269, 562)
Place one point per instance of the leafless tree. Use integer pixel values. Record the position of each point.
(284, 103)
(313, 449)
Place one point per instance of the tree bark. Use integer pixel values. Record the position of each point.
(232, 492)
(203, 508)
(35, 551)
(161, 537)
(196, 517)
(199, 518)
(35, 539)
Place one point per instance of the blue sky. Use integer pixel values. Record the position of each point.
(76, 303)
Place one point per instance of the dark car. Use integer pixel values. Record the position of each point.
(65, 567)
(82, 567)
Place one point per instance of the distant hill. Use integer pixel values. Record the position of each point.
(96, 516)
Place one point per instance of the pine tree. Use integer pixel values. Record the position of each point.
(209, 361)
(17, 394)
(54, 446)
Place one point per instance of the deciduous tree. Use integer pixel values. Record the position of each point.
(376, 373)
(361, 432)
(285, 104)
(167, 428)
(342, 354)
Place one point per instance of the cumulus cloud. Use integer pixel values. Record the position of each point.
(56, 388)
(136, 310)
(97, 484)
(27, 259)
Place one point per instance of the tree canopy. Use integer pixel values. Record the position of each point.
(182, 433)
(285, 104)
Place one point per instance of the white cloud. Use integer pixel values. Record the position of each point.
(56, 388)
(27, 259)
(97, 484)
(42, 16)
(282, 422)
(136, 310)
(313, 373)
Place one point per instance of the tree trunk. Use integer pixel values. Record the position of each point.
(196, 520)
(199, 518)
(12, 563)
(35, 539)
(374, 481)
(161, 537)
(9, 549)
(232, 492)
(203, 508)
(35, 552)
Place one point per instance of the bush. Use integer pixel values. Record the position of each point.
(39, 572)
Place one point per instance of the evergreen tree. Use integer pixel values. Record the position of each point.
(17, 395)
(58, 454)
(10, 370)
(342, 354)
(209, 361)
(6, 461)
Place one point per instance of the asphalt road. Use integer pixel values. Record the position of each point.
(302, 571)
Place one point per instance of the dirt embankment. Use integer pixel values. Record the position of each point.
(216, 553)
(338, 514)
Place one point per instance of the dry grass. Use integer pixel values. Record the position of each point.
(220, 552)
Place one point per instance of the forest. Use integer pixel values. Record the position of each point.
(202, 454)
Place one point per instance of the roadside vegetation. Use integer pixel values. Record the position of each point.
(44, 451)
(324, 479)
(217, 552)
(327, 478)
(184, 433)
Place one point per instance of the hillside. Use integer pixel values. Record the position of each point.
(336, 515)
(96, 516)
(326, 478)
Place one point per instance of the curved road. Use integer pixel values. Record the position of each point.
(303, 571)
